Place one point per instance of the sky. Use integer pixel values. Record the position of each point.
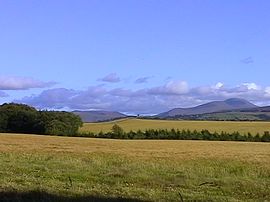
(133, 56)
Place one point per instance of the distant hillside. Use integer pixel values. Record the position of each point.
(97, 116)
(211, 107)
(226, 116)
(257, 109)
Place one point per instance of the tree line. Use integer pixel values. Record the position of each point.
(175, 134)
(20, 118)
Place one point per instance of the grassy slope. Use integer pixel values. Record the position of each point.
(252, 116)
(147, 170)
(218, 126)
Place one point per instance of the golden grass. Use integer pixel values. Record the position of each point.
(171, 149)
(212, 126)
(151, 170)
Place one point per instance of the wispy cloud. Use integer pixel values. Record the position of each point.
(111, 78)
(142, 80)
(146, 100)
(22, 83)
(247, 60)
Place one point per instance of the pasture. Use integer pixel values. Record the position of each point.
(52, 168)
(213, 126)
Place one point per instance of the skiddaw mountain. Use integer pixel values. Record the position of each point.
(211, 107)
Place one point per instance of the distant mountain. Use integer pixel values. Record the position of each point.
(227, 116)
(230, 109)
(257, 109)
(211, 107)
(97, 116)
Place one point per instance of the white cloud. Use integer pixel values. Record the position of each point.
(171, 88)
(267, 91)
(251, 86)
(218, 85)
(177, 87)
(22, 83)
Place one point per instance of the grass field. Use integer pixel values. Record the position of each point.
(212, 126)
(50, 168)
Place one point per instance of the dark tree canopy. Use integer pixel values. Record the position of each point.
(20, 118)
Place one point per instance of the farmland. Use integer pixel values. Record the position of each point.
(83, 169)
(212, 126)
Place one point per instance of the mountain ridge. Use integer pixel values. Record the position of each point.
(230, 109)
(210, 107)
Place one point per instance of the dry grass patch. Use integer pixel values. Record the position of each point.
(153, 170)
(212, 126)
(173, 149)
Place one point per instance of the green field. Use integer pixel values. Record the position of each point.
(51, 168)
(213, 126)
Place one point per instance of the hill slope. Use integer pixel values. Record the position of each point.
(211, 107)
(96, 116)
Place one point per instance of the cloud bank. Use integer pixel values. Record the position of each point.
(146, 100)
(22, 83)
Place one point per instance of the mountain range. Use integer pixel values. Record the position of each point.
(230, 109)
(211, 107)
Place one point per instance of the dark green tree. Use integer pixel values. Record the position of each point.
(266, 137)
(117, 131)
(20, 118)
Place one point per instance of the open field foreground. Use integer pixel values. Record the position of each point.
(49, 168)
(213, 126)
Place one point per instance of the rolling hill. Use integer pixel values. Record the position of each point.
(97, 116)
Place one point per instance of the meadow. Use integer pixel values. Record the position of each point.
(242, 127)
(53, 168)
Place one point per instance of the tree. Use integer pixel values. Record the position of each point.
(20, 118)
(3, 122)
(56, 127)
(117, 131)
(266, 137)
(68, 123)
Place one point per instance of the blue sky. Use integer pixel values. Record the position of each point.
(141, 56)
